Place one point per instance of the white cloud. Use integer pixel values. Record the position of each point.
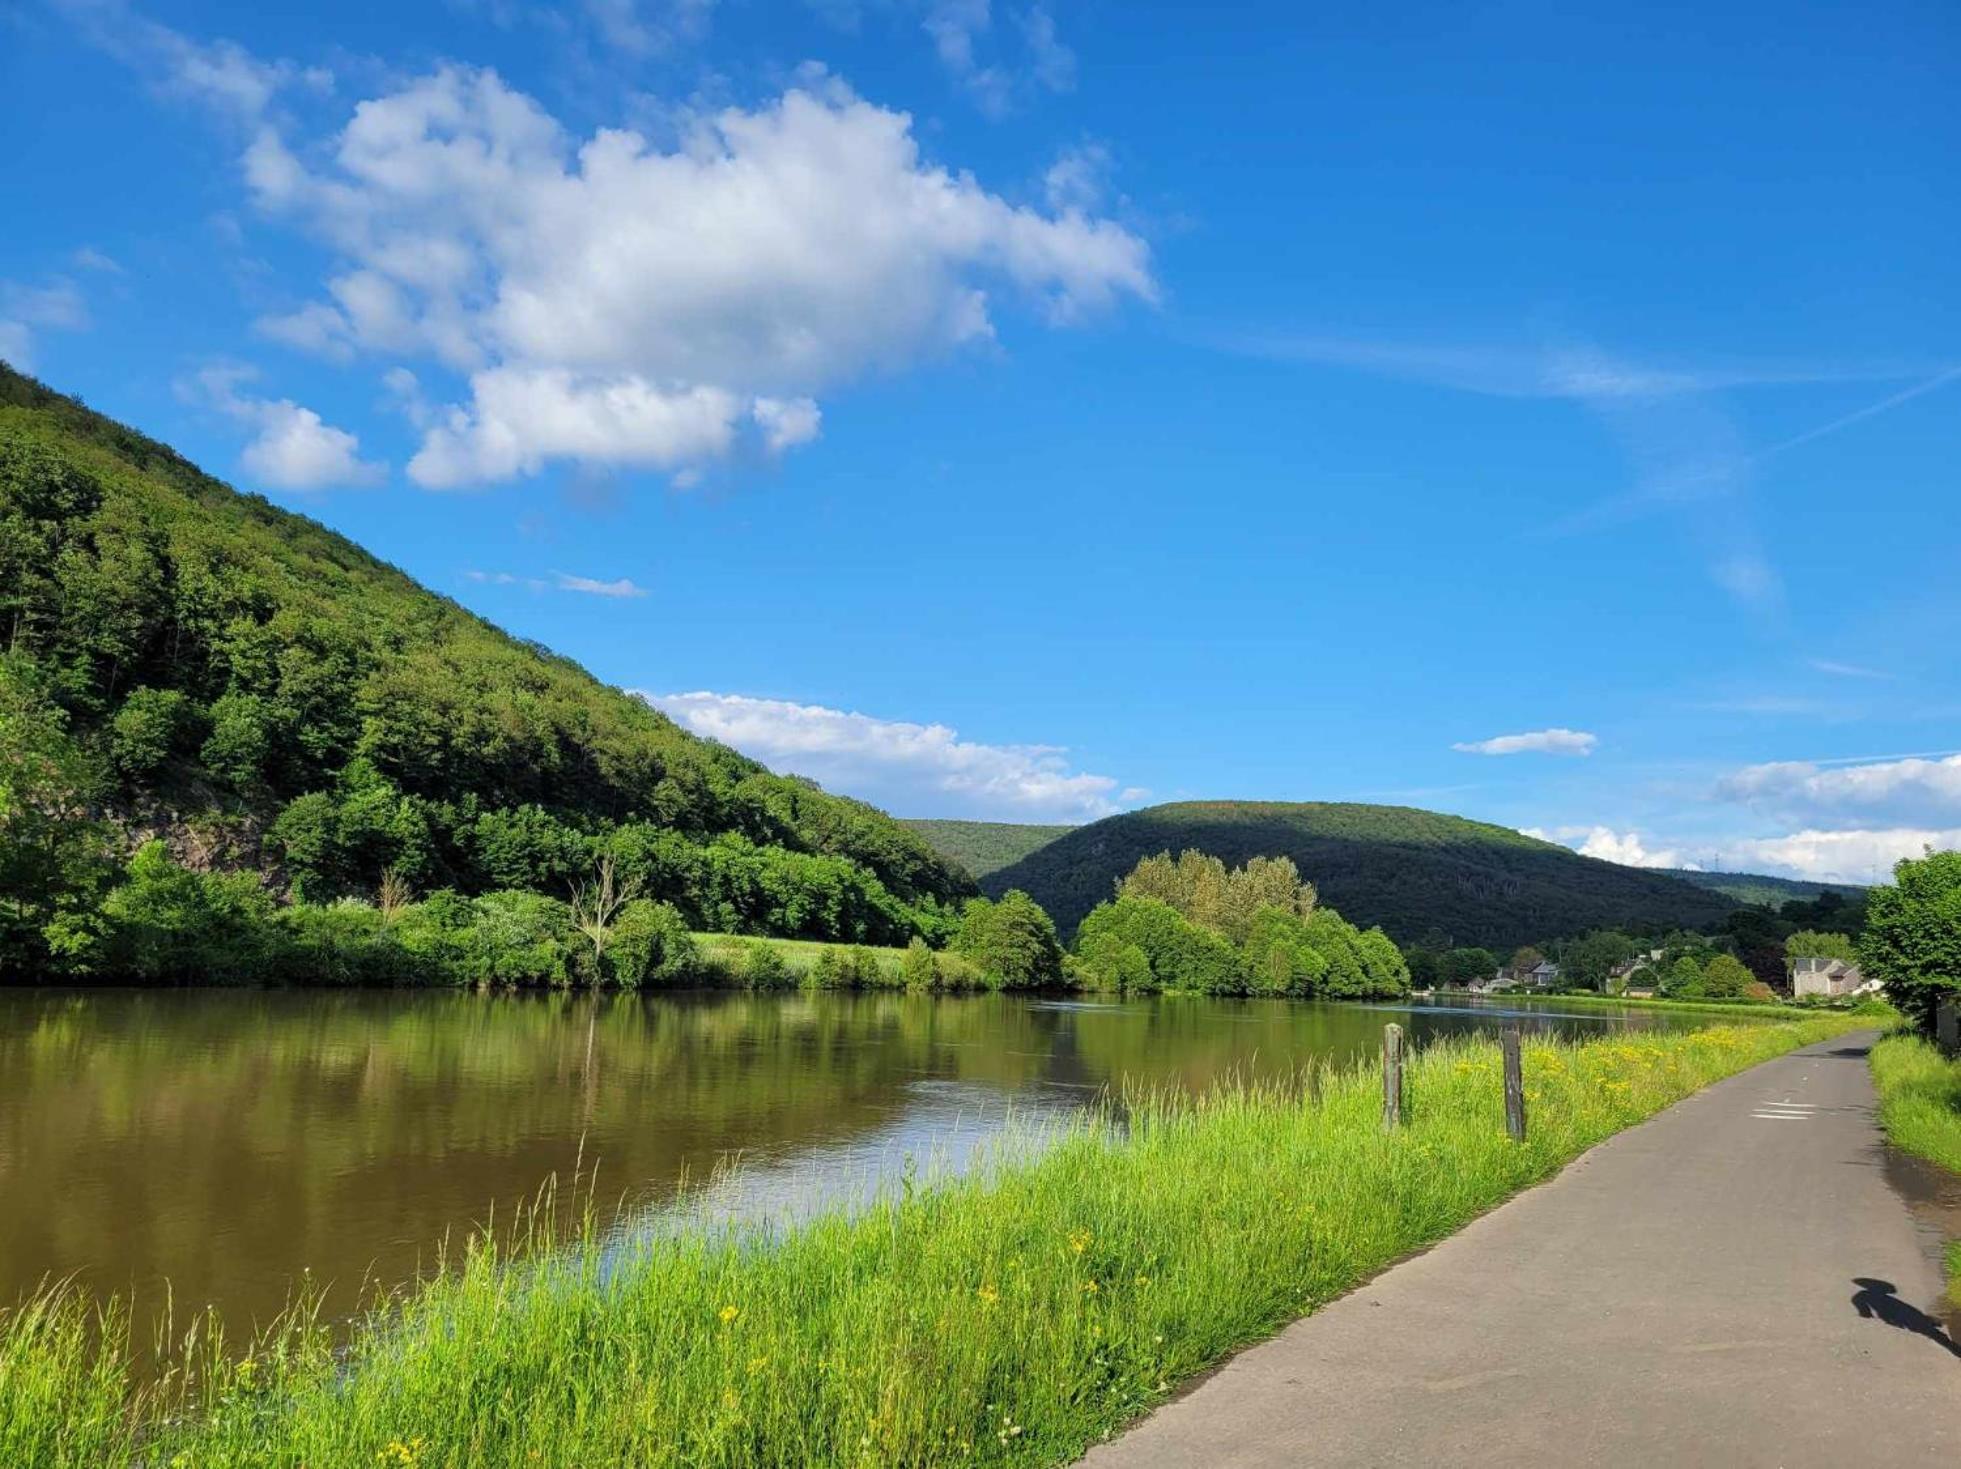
(25, 310)
(787, 423)
(619, 304)
(647, 27)
(87, 257)
(1907, 789)
(1847, 670)
(559, 581)
(623, 587)
(911, 769)
(1838, 856)
(1535, 742)
(292, 448)
(1865, 855)
(219, 75)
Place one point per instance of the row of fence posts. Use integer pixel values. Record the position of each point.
(1392, 1079)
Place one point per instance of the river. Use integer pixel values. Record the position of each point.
(224, 1141)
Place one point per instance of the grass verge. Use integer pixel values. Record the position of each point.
(1012, 1316)
(1920, 1108)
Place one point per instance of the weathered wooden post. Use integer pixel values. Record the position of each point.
(1514, 1082)
(1392, 1077)
(1947, 1026)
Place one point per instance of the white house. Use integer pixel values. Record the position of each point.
(1828, 977)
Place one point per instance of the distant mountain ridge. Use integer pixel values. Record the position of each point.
(984, 847)
(1760, 889)
(1414, 872)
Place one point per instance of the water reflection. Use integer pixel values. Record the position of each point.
(226, 1140)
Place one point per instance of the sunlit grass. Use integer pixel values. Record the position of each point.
(1014, 1315)
(1920, 1108)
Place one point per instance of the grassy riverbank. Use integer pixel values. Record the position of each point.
(1920, 1108)
(1014, 1317)
(1873, 1012)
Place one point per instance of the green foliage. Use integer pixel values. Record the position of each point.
(1176, 953)
(650, 945)
(173, 926)
(263, 673)
(983, 847)
(1807, 944)
(1760, 891)
(153, 727)
(1726, 978)
(1682, 980)
(1912, 940)
(52, 857)
(919, 969)
(1587, 962)
(1011, 941)
(1461, 967)
(1404, 870)
(1223, 899)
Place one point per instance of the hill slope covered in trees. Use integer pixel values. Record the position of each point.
(1761, 890)
(1411, 872)
(984, 847)
(181, 660)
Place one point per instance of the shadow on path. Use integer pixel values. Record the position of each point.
(1879, 1299)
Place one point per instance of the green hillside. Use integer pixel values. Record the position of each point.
(184, 661)
(1759, 890)
(982, 847)
(1409, 871)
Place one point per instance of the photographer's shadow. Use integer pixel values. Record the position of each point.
(1880, 1300)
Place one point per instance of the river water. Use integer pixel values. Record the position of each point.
(224, 1141)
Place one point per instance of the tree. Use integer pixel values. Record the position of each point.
(1682, 980)
(1811, 944)
(1012, 941)
(1912, 939)
(1725, 977)
(1460, 967)
(1201, 888)
(1590, 960)
(152, 726)
(595, 905)
(52, 850)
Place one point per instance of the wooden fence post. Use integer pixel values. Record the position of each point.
(1514, 1082)
(1947, 1026)
(1392, 1077)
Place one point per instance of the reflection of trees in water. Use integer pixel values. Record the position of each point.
(226, 1138)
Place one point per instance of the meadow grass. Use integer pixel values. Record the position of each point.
(1920, 1108)
(723, 954)
(1012, 1315)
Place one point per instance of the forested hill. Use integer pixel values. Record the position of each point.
(984, 847)
(264, 693)
(1761, 891)
(1409, 871)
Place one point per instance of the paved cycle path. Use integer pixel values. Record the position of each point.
(1732, 1283)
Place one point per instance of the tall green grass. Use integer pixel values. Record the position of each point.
(1920, 1108)
(1013, 1315)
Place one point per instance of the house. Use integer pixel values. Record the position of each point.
(1542, 976)
(1829, 977)
(1649, 960)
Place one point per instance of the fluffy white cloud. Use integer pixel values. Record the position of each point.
(1866, 855)
(620, 303)
(1907, 790)
(24, 310)
(220, 75)
(292, 448)
(1535, 742)
(911, 769)
(1838, 856)
(1628, 848)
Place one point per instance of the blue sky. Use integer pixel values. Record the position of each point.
(1545, 413)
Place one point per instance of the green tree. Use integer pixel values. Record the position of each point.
(1012, 941)
(152, 727)
(1461, 967)
(1811, 944)
(1912, 938)
(1588, 961)
(1682, 980)
(1726, 977)
(52, 849)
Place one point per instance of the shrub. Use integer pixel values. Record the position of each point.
(650, 945)
(763, 968)
(152, 726)
(919, 969)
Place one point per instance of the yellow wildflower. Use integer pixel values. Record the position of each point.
(988, 1294)
(1079, 1240)
(728, 1314)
